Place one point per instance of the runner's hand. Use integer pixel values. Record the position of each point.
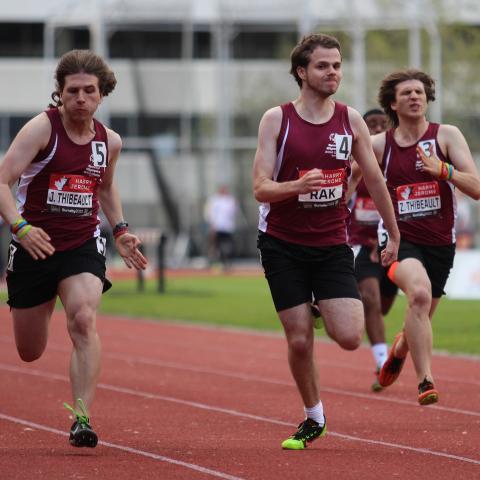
(389, 253)
(310, 181)
(127, 246)
(37, 243)
(431, 163)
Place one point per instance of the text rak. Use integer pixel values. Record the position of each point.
(329, 194)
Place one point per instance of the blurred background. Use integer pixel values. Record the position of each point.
(195, 76)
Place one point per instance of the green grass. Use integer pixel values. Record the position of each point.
(245, 302)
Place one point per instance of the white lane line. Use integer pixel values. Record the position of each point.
(154, 456)
(321, 362)
(237, 413)
(252, 378)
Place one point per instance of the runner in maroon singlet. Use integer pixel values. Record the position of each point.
(300, 175)
(376, 291)
(423, 162)
(64, 162)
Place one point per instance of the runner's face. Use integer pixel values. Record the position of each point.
(323, 73)
(410, 99)
(81, 95)
(376, 123)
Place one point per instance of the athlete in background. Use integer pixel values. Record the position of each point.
(376, 291)
(423, 162)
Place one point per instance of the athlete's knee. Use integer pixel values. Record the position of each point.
(300, 345)
(350, 341)
(420, 297)
(28, 354)
(81, 323)
(370, 301)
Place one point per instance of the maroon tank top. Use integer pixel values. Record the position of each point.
(364, 217)
(58, 190)
(424, 206)
(319, 218)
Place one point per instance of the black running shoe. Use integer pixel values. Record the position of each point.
(308, 431)
(81, 433)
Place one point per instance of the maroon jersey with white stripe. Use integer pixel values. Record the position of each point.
(58, 190)
(319, 218)
(424, 206)
(364, 218)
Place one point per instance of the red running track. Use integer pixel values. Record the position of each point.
(179, 401)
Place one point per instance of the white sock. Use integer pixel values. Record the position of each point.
(380, 353)
(316, 413)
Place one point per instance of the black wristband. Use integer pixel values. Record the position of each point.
(120, 226)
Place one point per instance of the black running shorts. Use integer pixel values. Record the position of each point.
(437, 260)
(295, 272)
(365, 268)
(33, 282)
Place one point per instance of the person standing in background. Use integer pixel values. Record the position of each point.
(220, 214)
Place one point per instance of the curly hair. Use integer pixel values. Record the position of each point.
(386, 94)
(82, 61)
(300, 56)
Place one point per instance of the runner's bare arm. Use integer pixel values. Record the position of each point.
(453, 144)
(31, 139)
(353, 181)
(265, 188)
(127, 244)
(363, 153)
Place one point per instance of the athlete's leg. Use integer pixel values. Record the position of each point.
(298, 327)
(31, 326)
(344, 321)
(412, 278)
(370, 293)
(80, 295)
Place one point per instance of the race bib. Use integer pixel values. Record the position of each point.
(343, 147)
(418, 200)
(70, 194)
(365, 211)
(428, 147)
(330, 192)
(382, 235)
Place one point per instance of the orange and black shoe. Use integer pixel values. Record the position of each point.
(427, 394)
(392, 367)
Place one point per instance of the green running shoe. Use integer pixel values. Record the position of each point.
(308, 431)
(376, 387)
(317, 316)
(81, 433)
